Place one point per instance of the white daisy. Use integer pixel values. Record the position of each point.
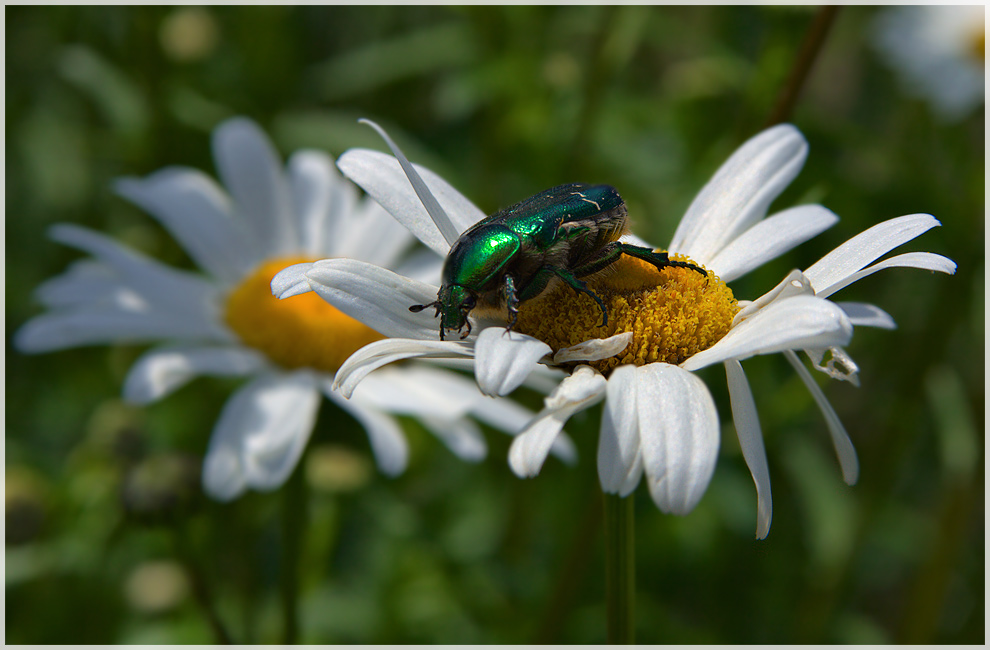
(659, 418)
(225, 322)
(939, 52)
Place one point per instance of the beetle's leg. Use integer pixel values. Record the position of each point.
(542, 277)
(658, 260)
(511, 301)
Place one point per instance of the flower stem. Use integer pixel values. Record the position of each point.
(620, 569)
(293, 525)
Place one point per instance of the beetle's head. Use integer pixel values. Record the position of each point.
(453, 304)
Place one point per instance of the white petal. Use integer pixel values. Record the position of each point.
(594, 349)
(381, 176)
(795, 284)
(292, 281)
(374, 236)
(678, 433)
(504, 359)
(194, 209)
(261, 433)
(84, 281)
(740, 192)
(418, 390)
(620, 459)
(322, 199)
(788, 324)
(376, 297)
(578, 391)
(751, 442)
(771, 238)
(840, 439)
(862, 314)
(926, 261)
(251, 170)
(380, 353)
(160, 371)
(866, 247)
(388, 443)
(449, 231)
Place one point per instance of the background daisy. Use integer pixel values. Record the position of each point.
(226, 324)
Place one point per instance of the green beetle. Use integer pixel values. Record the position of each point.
(568, 232)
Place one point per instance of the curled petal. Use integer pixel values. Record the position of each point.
(576, 392)
(292, 281)
(380, 353)
(926, 261)
(594, 349)
(504, 359)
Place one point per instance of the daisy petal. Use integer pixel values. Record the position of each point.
(462, 436)
(840, 439)
(578, 391)
(388, 443)
(261, 433)
(594, 350)
(751, 442)
(865, 247)
(198, 214)
(381, 176)
(792, 323)
(504, 359)
(620, 460)
(375, 296)
(161, 371)
(771, 238)
(292, 281)
(678, 432)
(740, 192)
(251, 170)
(380, 353)
(862, 314)
(925, 261)
(374, 236)
(322, 199)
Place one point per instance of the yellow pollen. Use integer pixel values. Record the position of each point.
(673, 314)
(298, 332)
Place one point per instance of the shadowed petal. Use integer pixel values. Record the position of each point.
(504, 359)
(866, 315)
(388, 443)
(380, 353)
(925, 261)
(578, 391)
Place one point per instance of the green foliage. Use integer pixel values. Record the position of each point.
(504, 102)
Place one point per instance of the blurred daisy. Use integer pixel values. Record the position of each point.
(659, 417)
(939, 52)
(225, 322)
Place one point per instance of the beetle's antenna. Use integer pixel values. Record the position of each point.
(418, 308)
(440, 218)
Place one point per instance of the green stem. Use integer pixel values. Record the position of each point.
(620, 569)
(200, 586)
(293, 525)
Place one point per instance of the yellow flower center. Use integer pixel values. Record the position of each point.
(978, 46)
(298, 332)
(672, 314)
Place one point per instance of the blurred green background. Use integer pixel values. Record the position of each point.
(108, 539)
